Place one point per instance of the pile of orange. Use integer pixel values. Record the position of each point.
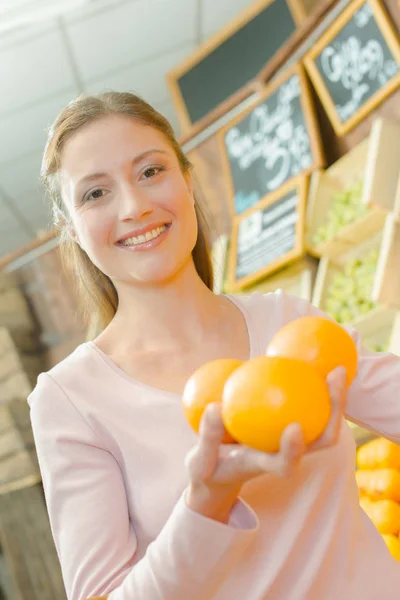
(262, 396)
(378, 480)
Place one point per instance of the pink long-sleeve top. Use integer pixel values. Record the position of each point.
(111, 452)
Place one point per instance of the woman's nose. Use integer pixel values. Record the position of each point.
(133, 203)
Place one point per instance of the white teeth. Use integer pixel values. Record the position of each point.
(149, 235)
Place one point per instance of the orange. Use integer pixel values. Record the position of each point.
(265, 395)
(204, 386)
(318, 341)
(393, 544)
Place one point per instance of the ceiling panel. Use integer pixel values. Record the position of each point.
(40, 68)
(146, 79)
(25, 34)
(25, 131)
(93, 7)
(21, 175)
(130, 33)
(217, 13)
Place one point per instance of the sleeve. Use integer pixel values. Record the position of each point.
(89, 517)
(374, 396)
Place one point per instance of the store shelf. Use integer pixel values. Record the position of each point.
(339, 280)
(297, 279)
(371, 170)
(380, 330)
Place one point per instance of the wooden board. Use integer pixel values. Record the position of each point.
(262, 29)
(374, 166)
(379, 330)
(271, 142)
(297, 279)
(355, 65)
(219, 255)
(268, 236)
(18, 461)
(29, 552)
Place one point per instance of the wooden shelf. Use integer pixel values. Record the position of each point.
(219, 252)
(374, 165)
(384, 287)
(380, 330)
(297, 279)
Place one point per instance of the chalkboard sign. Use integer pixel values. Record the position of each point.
(355, 65)
(232, 58)
(269, 236)
(271, 142)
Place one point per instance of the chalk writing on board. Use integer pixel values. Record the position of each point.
(270, 145)
(266, 235)
(359, 60)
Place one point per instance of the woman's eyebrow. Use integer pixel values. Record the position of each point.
(135, 161)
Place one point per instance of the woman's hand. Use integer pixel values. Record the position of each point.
(218, 471)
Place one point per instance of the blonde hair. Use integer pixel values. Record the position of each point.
(97, 294)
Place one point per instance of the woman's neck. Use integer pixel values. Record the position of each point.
(168, 317)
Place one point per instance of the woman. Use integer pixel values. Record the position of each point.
(141, 508)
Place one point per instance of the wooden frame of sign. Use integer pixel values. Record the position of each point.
(299, 10)
(309, 157)
(285, 205)
(343, 116)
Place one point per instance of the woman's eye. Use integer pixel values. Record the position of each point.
(151, 172)
(95, 194)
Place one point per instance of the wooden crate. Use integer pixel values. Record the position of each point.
(14, 310)
(374, 165)
(7, 280)
(297, 280)
(219, 253)
(384, 286)
(18, 461)
(31, 560)
(18, 371)
(380, 330)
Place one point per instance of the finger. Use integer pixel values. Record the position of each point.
(202, 460)
(336, 381)
(292, 448)
(252, 462)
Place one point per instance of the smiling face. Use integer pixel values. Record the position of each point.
(131, 207)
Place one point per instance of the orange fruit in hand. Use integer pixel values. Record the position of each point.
(204, 386)
(318, 341)
(263, 396)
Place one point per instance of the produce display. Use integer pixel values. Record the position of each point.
(377, 347)
(262, 396)
(378, 480)
(379, 454)
(349, 294)
(346, 207)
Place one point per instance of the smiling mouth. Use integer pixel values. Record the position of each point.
(145, 237)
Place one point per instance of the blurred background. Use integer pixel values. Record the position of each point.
(289, 111)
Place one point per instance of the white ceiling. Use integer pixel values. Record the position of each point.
(119, 44)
